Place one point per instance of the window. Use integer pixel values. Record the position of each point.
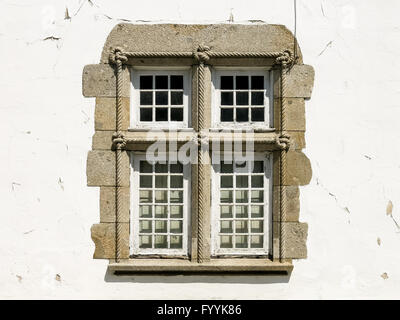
(242, 98)
(160, 202)
(160, 98)
(241, 206)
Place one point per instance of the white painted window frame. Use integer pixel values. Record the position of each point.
(135, 158)
(217, 72)
(135, 73)
(215, 210)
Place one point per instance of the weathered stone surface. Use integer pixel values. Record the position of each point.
(207, 97)
(105, 112)
(107, 204)
(102, 140)
(297, 141)
(300, 81)
(103, 236)
(100, 168)
(292, 203)
(295, 114)
(182, 37)
(99, 80)
(296, 240)
(298, 169)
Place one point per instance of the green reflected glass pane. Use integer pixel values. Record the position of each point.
(226, 196)
(257, 181)
(161, 211)
(241, 211)
(175, 242)
(161, 196)
(225, 241)
(160, 241)
(226, 211)
(161, 181)
(257, 226)
(257, 211)
(176, 196)
(226, 181)
(242, 181)
(145, 211)
(257, 242)
(145, 242)
(160, 226)
(145, 226)
(257, 196)
(226, 226)
(241, 242)
(242, 196)
(241, 226)
(176, 181)
(146, 181)
(145, 196)
(176, 226)
(176, 211)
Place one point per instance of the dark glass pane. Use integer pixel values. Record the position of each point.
(257, 82)
(226, 167)
(146, 82)
(242, 82)
(226, 82)
(161, 114)
(257, 114)
(226, 115)
(242, 98)
(177, 98)
(258, 167)
(161, 167)
(176, 82)
(146, 114)
(242, 114)
(161, 98)
(145, 181)
(257, 98)
(176, 167)
(176, 114)
(226, 98)
(161, 82)
(145, 167)
(146, 98)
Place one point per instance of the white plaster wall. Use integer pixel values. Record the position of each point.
(352, 140)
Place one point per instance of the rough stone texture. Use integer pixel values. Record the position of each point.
(100, 168)
(207, 97)
(298, 169)
(103, 236)
(181, 37)
(297, 141)
(296, 240)
(99, 80)
(293, 203)
(300, 81)
(102, 140)
(107, 204)
(295, 114)
(104, 116)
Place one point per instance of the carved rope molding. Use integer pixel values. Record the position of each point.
(202, 55)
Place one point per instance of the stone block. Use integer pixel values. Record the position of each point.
(105, 113)
(295, 241)
(295, 114)
(292, 203)
(107, 204)
(103, 236)
(102, 140)
(298, 168)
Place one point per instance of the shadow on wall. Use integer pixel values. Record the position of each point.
(196, 278)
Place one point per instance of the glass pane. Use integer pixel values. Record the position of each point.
(241, 226)
(257, 82)
(242, 114)
(242, 98)
(257, 196)
(146, 82)
(161, 181)
(241, 167)
(161, 82)
(145, 226)
(226, 181)
(177, 98)
(226, 196)
(242, 181)
(226, 98)
(176, 181)
(257, 114)
(226, 115)
(161, 98)
(161, 196)
(241, 211)
(161, 212)
(257, 211)
(160, 242)
(225, 241)
(176, 82)
(226, 211)
(176, 168)
(161, 114)
(145, 242)
(176, 226)
(257, 181)
(146, 114)
(175, 242)
(146, 98)
(256, 241)
(145, 181)
(226, 226)
(145, 196)
(176, 114)
(258, 167)
(160, 226)
(242, 196)
(227, 82)
(257, 226)
(145, 167)
(176, 211)
(161, 167)
(145, 212)
(242, 82)
(257, 98)
(241, 242)
(176, 196)
(226, 167)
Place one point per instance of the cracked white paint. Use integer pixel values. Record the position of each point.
(352, 130)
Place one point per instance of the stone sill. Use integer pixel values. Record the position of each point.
(238, 266)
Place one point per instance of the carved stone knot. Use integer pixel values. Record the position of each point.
(286, 58)
(117, 54)
(282, 141)
(201, 54)
(118, 141)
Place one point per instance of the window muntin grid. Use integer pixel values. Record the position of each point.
(160, 202)
(160, 98)
(242, 98)
(241, 204)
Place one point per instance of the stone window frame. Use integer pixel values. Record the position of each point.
(108, 163)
